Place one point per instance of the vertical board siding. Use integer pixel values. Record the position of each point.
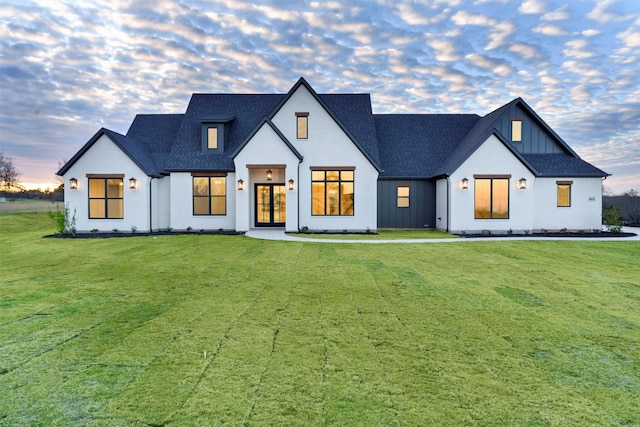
(422, 205)
(535, 139)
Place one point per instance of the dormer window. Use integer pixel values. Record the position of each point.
(516, 129)
(302, 125)
(212, 137)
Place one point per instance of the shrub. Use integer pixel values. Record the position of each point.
(613, 218)
(65, 223)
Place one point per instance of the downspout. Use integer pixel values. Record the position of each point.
(150, 206)
(448, 203)
(298, 198)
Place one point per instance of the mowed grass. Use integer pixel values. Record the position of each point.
(11, 206)
(196, 330)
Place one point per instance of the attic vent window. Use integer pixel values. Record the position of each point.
(212, 137)
(302, 125)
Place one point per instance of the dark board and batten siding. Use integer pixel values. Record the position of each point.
(421, 212)
(535, 138)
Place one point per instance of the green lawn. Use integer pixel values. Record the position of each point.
(193, 330)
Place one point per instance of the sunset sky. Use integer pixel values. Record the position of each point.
(68, 69)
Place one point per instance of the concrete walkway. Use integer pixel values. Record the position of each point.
(279, 234)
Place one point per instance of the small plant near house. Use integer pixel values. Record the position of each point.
(189, 229)
(564, 230)
(543, 230)
(613, 218)
(168, 229)
(134, 229)
(463, 233)
(94, 231)
(510, 232)
(486, 232)
(65, 223)
(526, 232)
(115, 230)
(304, 229)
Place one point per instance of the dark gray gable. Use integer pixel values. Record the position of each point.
(416, 145)
(157, 132)
(562, 165)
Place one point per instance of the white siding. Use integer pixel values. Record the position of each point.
(104, 157)
(492, 158)
(442, 202)
(328, 146)
(182, 217)
(585, 212)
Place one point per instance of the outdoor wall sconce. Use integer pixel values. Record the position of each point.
(240, 185)
(292, 185)
(522, 184)
(73, 183)
(269, 175)
(464, 183)
(133, 183)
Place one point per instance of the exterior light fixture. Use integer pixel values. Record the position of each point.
(464, 183)
(269, 175)
(240, 185)
(133, 183)
(522, 184)
(292, 185)
(73, 183)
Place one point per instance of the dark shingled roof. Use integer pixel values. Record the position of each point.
(415, 145)
(418, 146)
(562, 165)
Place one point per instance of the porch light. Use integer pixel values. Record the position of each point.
(73, 183)
(240, 185)
(269, 175)
(522, 184)
(464, 183)
(133, 183)
(292, 185)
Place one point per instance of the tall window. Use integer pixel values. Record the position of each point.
(106, 198)
(403, 196)
(332, 192)
(212, 138)
(491, 198)
(564, 193)
(209, 195)
(302, 125)
(516, 130)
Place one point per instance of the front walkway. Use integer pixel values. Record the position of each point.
(279, 234)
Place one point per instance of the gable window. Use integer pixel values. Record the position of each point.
(491, 196)
(332, 191)
(302, 125)
(564, 193)
(402, 197)
(212, 136)
(106, 196)
(209, 194)
(516, 129)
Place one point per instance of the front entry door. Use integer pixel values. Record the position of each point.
(271, 205)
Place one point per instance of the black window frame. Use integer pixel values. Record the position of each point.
(209, 196)
(106, 198)
(339, 181)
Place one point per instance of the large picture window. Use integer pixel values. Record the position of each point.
(492, 197)
(209, 195)
(106, 197)
(332, 192)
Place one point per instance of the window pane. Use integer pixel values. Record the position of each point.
(500, 198)
(347, 198)
(218, 206)
(303, 132)
(564, 195)
(317, 198)
(332, 198)
(96, 188)
(317, 175)
(115, 208)
(403, 191)
(347, 175)
(483, 198)
(96, 208)
(333, 175)
(114, 188)
(403, 202)
(212, 138)
(218, 187)
(516, 130)
(201, 206)
(201, 186)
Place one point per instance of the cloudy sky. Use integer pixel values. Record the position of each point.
(69, 68)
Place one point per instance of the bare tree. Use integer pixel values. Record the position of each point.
(8, 173)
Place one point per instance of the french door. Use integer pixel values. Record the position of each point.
(271, 205)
